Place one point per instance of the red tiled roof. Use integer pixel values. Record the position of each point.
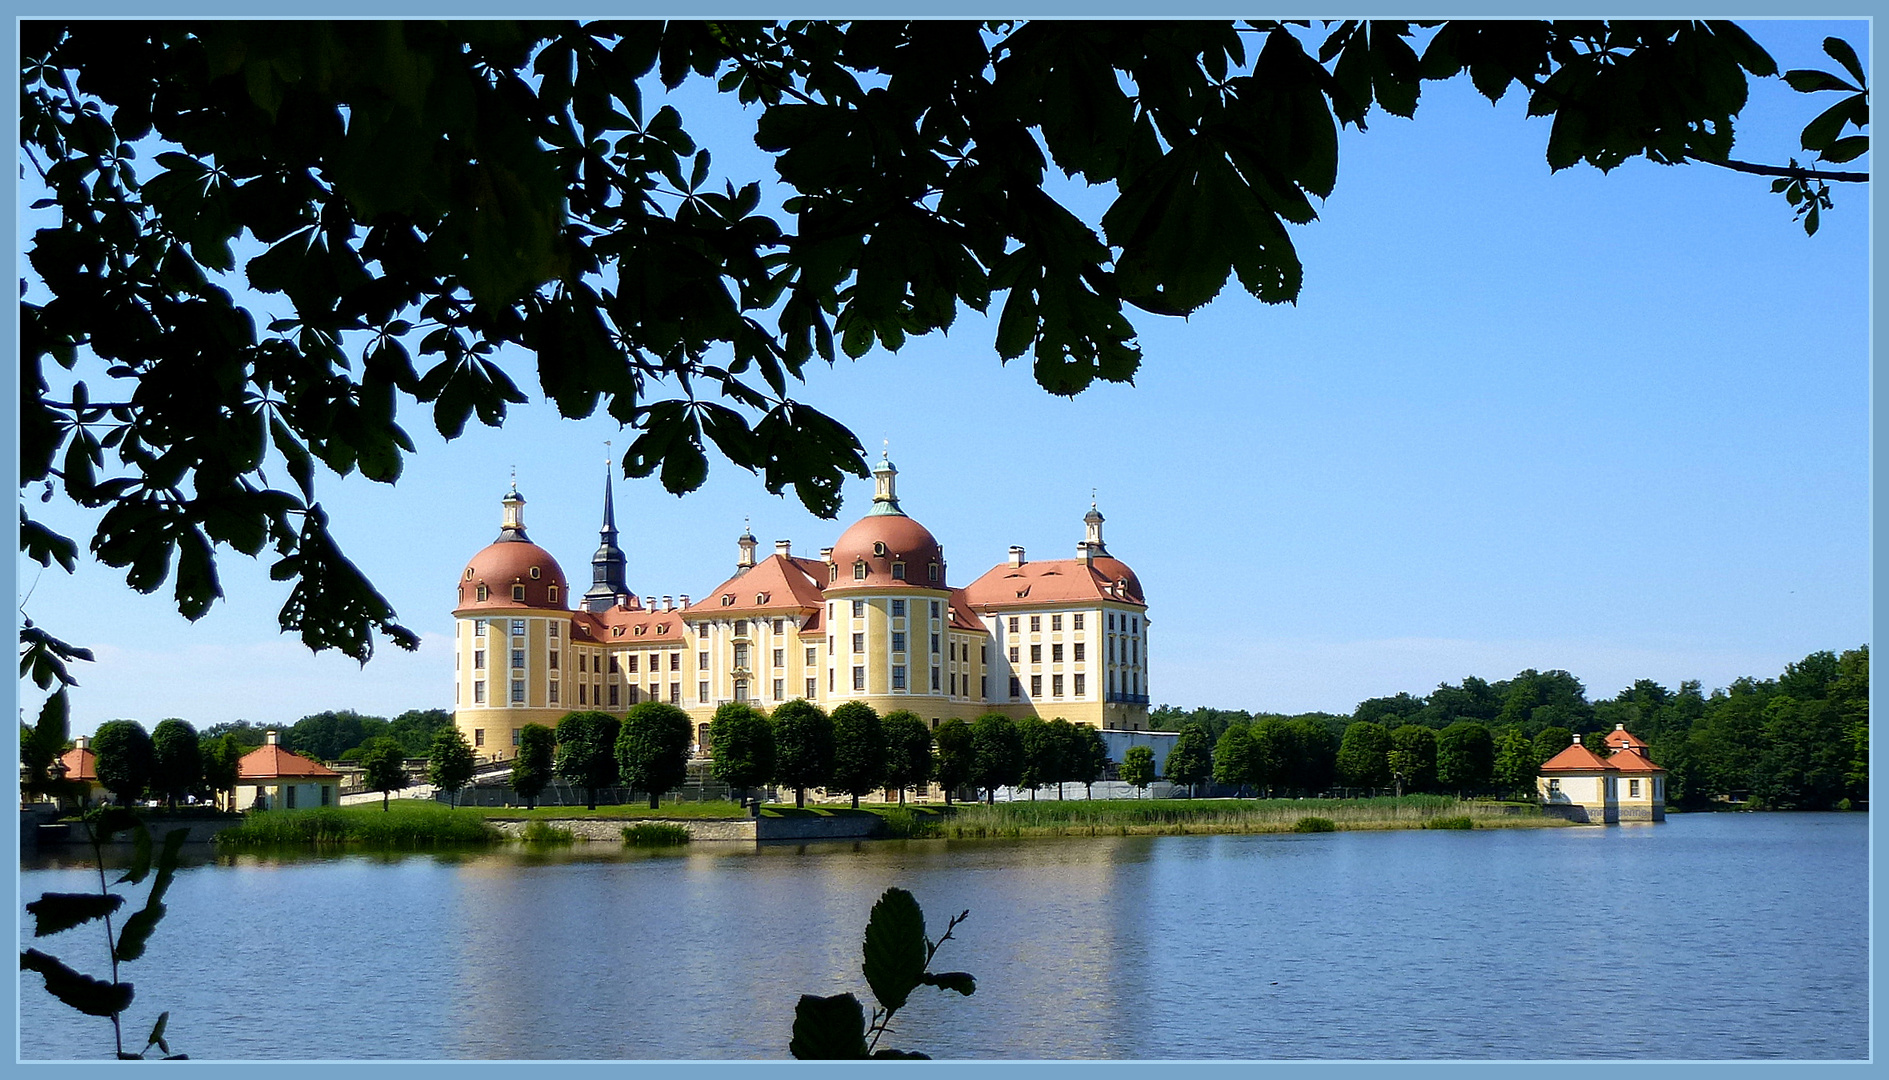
(905, 541)
(80, 763)
(601, 627)
(1578, 758)
(1055, 581)
(962, 617)
(1632, 760)
(1620, 736)
(273, 762)
(507, 563)
(776, 584)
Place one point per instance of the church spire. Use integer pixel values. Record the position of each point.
(606, 566)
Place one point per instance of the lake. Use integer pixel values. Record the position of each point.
(1707, 936)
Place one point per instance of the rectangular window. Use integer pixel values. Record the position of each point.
(934, 609)
(741, 655)
(1081, 680)
(478, 659)
(1056, 685)
(859, 643)
(655, 691)
(934, 644)
(613, 693)
(954, 684)
(1013, 624)
(701, 692)
(1111, 620)
(554, 659)
(1036, 654)
(289, 790)
(1036, 623)
(935, 676)
(325, 792)
(780, 657)
(701, 660)
(675, 693)
(898, 676)
(478, 692)
(514, 736)
(813, 655)
(898, 641)
(1134, 626)
(478, 627)
(583, 693)
(616, 666)
(1077, 617)
(779, 625)
(518, 658)
(518, 626)
(741, 628)
(1056, 654)
(898, 572)
(1055, 622)
(1554, 787)
(554, 631)
(478, 736)
(1016, 654)
(629, 663)
(780, 689)
(741, 690)
(813, 687)
(1633, 789)
(1111, 650)
(859, 677)
(554, 691)
(1036, 686)
(898, 609)
(1016, 688)
(675, 661)
(829, 680)
(983, 686)
(983, 654)
(859, 609)
(636, 694)
(518, 691)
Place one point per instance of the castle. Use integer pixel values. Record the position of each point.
(873, 619)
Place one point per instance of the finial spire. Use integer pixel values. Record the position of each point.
(606, 566)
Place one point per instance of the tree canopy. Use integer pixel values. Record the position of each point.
(450, 762)
(385, 765)
(423, 195)
(125, 758)
(653, 749)
(909, 761)
(741, 742)
(859, 750)
(532, 768)
(803, 747)
(176, 760)
(586, 752)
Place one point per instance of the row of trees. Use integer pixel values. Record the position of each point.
(345, 735)
(1798, 741)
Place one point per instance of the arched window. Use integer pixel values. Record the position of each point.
(832, 575)
(468, 573)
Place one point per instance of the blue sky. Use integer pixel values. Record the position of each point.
(1611, 424)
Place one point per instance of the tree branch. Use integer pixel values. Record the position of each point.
(1787, 171)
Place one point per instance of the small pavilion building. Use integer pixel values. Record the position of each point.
(79, 766)
(272, 778)
(1582, 786)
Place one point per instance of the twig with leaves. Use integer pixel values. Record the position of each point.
(898, 959)
(55, 912)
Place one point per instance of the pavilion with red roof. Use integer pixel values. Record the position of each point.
(1583, 786)
(272, 778)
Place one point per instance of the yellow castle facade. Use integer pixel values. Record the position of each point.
(874, 618)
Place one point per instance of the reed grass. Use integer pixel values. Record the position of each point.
(538, 832)
(1133, 817)
(406, 823)
(655, 834)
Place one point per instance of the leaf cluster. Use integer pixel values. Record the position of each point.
(898, 958)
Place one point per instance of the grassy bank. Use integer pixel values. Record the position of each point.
(1139, 817)
(405, 823)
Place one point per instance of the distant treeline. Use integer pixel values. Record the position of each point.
(343, 735)
(1797, 741)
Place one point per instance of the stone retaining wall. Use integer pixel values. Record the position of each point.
(749, 829)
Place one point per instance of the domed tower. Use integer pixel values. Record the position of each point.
(512, 625)
(888, 605)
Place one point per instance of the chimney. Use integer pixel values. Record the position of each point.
(270, 738)
(84, 742)
(668, 603)
(649, 603)
(1016, 556)
(625, 601)
(826, 554)
(683, 600)
(784, 548)
(1084, 552)
(1577, 740)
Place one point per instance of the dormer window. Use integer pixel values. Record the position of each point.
(551, 592)
(859, 570)
(934, 571)
(898, 571)
(639, 631)
(468, 573)
(760, 598)
(728, 599)
(662, 628)
(483, 593)
(878, 548)
(534, 573)
(518, 593)
(617, 631)
(832, 575)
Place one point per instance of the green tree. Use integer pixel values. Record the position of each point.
(533, 768)
(450, 761)
(417, 728)
(125, 759)
(1551, 741)
(858, 750)
(1066, 742)
(1233, 757)
(326, 735)
(1138, 767)
(587, 752)
(1465, 756)
(176, 759)
(957, 756)
(908, 757)
(1364, 755)
(741, 742)
(996, 754)
(1090, 758)
(247, 735)
(652, 750)
(803, 747)
(1412, 758)
(489, 213)
(385, 765)
(1314, 755)
(1190, 761)
(1516, 765)
(221, 758)
(1042, 753)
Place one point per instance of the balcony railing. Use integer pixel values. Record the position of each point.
(1129, 699)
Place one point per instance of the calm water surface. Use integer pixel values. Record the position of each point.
(1710, 936)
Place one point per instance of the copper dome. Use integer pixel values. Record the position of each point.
(881, 541)
(504, 568)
